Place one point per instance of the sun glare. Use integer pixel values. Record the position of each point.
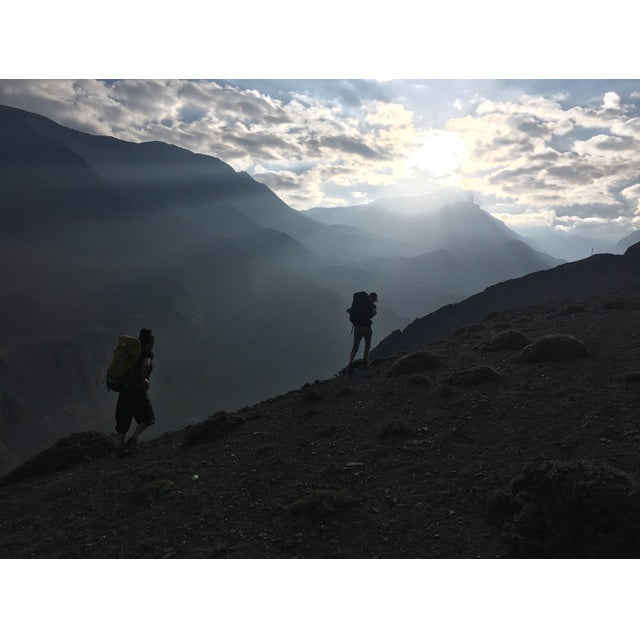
(439, 152)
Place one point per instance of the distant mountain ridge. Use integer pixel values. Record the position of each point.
(443, 220)
(448, 249)
(599, 274)
(628, 241)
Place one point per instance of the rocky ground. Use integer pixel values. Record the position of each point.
(411, 458)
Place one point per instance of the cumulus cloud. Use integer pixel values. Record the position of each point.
(632, 195)
(535, 153)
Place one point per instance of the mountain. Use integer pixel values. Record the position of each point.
(247, 297)
(99, 237)
(599, 274)
(567, 245)
(445, 248)
(446, 219)
(627, 241)
(477, 448)
(175, 195)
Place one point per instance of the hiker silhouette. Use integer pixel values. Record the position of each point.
(133, 402)
(362, 310)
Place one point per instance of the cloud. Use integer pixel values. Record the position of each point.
(535, 153)
(632, 195)
(630, 128)
(322, 142)
(346, 129)
(538, 217)
(352, 145)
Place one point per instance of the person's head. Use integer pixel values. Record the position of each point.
(373, 297)
(146, 339)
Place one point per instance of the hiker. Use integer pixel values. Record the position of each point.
(360, 313)
(134, 402)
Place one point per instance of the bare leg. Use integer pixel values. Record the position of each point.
(132, 442)
(367, 346)
(139, 429)
(356, 344)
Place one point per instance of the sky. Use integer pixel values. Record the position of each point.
(564, 153)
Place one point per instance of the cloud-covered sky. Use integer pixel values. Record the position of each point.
(564, 153)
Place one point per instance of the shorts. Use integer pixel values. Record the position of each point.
(133, 404)
(362, 331)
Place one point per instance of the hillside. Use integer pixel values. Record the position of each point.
(99, 237)
(416, 465)
(598, 274)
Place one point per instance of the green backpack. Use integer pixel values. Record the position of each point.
(123, 362)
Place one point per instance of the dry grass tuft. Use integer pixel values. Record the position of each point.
(552, 348)
(506, 341)
(414, 363)
(87, 445)
(570, 510)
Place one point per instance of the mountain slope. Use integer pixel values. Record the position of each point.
(64, 186)
(375, 465)
(567, 245)
(413, 286)
(156, 176)
(443, 220)
(627, 241)
(602, 273)
(101, 236)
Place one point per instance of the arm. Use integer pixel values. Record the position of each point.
(146, 367)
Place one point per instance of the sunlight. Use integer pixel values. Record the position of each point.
(438, 152)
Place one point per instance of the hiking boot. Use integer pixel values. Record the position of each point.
(121, 452)
(131, 445)
(350, 370)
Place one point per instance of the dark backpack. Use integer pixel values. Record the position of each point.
(359, 311)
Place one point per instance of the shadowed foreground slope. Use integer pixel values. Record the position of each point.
(468, 452)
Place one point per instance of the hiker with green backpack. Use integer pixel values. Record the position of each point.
(128, 374)
(362, 309)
